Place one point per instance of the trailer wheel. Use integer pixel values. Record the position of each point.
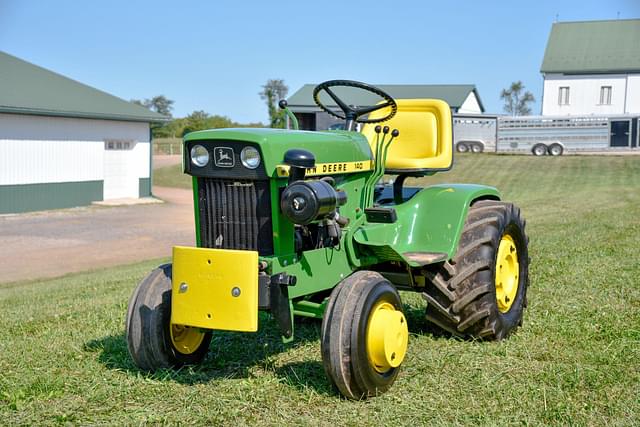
(481, 292)
(477, 148)
(556, 150)
(462, 147)
(539, 150)
(152, 341)
(364, 335)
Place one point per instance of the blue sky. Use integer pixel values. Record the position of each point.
(215, 55)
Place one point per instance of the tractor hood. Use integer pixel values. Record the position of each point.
(328, 147)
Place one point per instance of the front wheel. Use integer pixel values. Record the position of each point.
(462, 147)
(364, 335)
(539, 150)
(153, 342)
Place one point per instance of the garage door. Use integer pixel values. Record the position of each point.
(120, 179)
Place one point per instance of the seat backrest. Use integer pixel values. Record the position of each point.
(425, 143)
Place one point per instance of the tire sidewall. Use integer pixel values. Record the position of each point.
(557, 148)
(511, 319)
(177, 358)
(365, 374)
(149, 318)
(542, 152)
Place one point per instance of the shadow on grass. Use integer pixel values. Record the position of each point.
(418, 324)
(231, 355)
(240, 355)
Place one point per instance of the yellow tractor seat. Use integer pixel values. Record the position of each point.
(425, 143)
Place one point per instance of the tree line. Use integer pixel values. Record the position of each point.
(272, 92)
(516, 102)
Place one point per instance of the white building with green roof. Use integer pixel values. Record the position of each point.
(65, 144)
(592, 68)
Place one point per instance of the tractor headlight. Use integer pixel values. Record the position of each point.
(199, 155)
(250, 157)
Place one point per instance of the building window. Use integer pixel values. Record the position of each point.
(118, 145)
(563, 95)
(605, 95)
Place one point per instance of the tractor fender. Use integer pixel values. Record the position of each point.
(428, 227)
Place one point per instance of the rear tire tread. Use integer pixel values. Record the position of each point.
(461, 292)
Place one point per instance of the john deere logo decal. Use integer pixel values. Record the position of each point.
(224, 157)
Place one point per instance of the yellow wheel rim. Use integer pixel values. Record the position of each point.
(387, 337)
(507, 271)
(185, 339)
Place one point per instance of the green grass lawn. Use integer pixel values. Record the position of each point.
(576, 360)
(171, 176)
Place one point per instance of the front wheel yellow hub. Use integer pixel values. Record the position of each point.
(507, 273)
(185, 339)
(387, 337)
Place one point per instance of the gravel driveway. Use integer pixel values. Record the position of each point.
(53, 243)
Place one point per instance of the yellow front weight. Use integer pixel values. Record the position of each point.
(387, 337)
(214, 289)
(507, 273)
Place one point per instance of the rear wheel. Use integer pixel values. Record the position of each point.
(153, 342)
(364, 335)
(539, 150)
(477, 148)
(556, 150)
(481, 292)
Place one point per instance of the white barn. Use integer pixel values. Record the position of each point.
(65, 144)
(592, 68)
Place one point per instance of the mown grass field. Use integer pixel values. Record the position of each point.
(576, 360)
(171, 176)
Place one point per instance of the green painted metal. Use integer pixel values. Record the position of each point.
(431, 221)
(144, 187)
(283, 231)
(316, 270)
(312, 309)
(382, 145)
(326, 146)
(55, 195)
(292, 118)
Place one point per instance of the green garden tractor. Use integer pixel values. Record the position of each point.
(297, 223)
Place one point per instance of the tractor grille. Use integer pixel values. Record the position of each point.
(235, 214)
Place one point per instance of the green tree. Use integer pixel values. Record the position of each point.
(517, 100)
(159, 103)
(200, 120)
(162, 105)
(272, 92)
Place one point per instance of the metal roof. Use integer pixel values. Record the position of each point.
(454, 95)
(26, 88)
(593, 47)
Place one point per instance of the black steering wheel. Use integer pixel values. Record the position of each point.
(351, 113)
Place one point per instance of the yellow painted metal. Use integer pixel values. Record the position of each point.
(186, 339)
(329, 168)
(425, 140)
(387, 337)
(215, 289)
(507, 273)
